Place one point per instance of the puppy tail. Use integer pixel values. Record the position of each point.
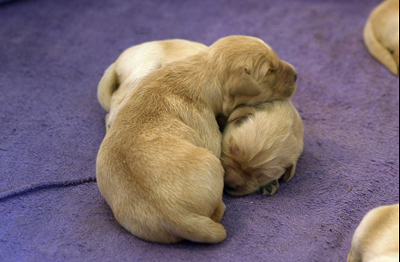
(199, 228)
(377, 50)
(108, 84)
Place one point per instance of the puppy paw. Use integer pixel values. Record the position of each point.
(270, 189)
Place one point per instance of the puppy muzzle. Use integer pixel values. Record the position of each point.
(288, 77)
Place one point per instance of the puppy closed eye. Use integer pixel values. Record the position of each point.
(241, 120)
(270, 72)
(272, 69)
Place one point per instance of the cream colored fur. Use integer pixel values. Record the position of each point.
(381, 34)
(158, 166)
(134, 63)
(377, 237)
(260, 146)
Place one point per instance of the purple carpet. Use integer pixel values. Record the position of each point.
(52, 56)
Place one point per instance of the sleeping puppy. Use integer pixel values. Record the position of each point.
(261, 145)
(158, 166)
(377, 237)
(381, 34)
(134, 63)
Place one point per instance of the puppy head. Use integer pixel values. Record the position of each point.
(261, 145)
(250, 72)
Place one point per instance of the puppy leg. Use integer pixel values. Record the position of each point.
(219, 213)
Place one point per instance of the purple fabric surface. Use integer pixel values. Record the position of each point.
(52, 56)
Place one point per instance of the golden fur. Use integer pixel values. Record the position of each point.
(158, 166)
(377, 237)
(381, 34)
(134, 63)
(260, 146)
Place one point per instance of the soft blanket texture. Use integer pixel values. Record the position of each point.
(52, 56)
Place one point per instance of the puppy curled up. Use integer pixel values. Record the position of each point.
(158, 166)
(260, 146)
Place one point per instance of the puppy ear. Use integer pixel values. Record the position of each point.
(240, 113)
(289, 173)
(242, 84)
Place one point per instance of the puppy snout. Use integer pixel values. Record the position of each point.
(288, 78)
(232, 178)
(290, 71)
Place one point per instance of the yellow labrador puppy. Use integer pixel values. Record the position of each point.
(381, 34)
(377, 237)
(261, 145)
(158, 166)
(134, 63)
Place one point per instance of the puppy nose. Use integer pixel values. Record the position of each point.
(295, 77)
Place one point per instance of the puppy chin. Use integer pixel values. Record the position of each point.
(239, 190)
(239, 182)
(246, 188)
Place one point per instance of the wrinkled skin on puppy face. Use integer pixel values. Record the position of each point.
(260, 146)
(256, 73)
(276, 79)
